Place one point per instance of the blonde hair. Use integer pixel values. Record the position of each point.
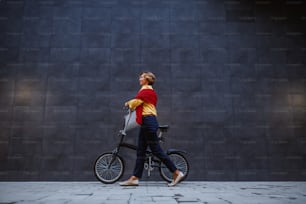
(149, 76)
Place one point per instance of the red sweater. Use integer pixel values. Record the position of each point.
(148, 96)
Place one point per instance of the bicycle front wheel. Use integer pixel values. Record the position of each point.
(109, 168)
(181, 164)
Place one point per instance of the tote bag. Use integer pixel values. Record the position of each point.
(130, 121)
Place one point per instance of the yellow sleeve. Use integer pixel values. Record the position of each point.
(134, 103)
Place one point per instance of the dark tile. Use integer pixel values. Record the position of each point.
(155, 14)
(185, 41)
(155, 41)
(69, 26)
(95, 55)
(125, 40)
(61, 114)
(94, 26)
(185, 56)
(64, 54)
(184, 27)
(125, 55)
(156, 27)
(65, 41)
(155, 55)
(125, 25)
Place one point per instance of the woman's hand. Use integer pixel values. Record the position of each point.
(126, 105)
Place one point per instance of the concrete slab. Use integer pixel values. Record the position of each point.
(153, 192)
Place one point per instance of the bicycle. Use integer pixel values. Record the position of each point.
(109, 167)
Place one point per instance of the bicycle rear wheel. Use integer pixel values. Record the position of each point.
(181, 164)
(109, 168)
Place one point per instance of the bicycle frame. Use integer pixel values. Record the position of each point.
(109, 166)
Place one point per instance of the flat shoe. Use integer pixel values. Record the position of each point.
(179, 177)
(129, 183)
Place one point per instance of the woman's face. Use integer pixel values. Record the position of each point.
(143, 80)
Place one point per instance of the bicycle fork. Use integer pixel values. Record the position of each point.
(116, 150)
(114, 155)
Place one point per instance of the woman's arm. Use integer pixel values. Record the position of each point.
(134, 103)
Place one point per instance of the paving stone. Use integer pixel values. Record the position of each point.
(153, 192)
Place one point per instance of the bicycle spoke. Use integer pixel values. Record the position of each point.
(106, 171)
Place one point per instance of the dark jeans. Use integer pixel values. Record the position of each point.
(148, 137)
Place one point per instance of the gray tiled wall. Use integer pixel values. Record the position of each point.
(231, 79)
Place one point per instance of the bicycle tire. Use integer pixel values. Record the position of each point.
(180, 162)
(108, 174)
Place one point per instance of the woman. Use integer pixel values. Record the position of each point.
(145, 105)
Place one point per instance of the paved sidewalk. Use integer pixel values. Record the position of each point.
(152, 192)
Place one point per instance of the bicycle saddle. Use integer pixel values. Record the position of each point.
(164, 128)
